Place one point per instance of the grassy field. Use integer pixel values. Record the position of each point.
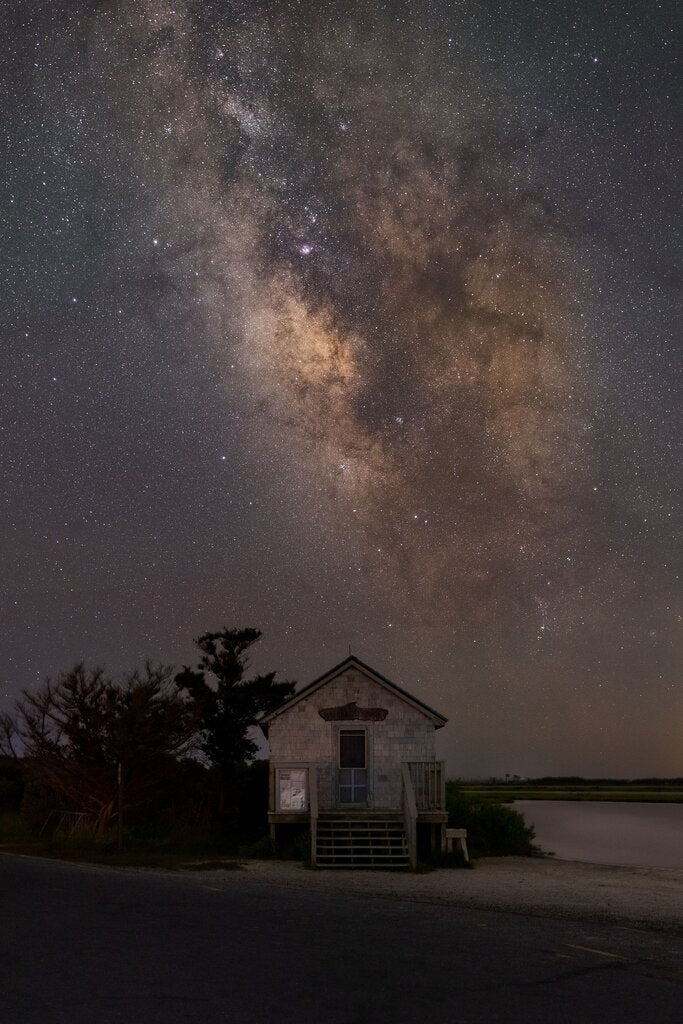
(671, 793)
(127, 858)
(198, 854)
(15, 837)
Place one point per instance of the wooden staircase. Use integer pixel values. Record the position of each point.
(361, 841)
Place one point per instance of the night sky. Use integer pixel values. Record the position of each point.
(354, 322)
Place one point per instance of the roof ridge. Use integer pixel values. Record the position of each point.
(336, 670)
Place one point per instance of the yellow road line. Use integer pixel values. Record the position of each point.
(598, 952)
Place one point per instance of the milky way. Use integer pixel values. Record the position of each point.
(376, 299)
(397, 264)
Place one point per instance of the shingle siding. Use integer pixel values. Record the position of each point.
(406, 734)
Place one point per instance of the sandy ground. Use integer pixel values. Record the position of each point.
(644, 897)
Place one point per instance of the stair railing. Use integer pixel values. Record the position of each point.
(429, 783)
(409, 813)
(313, 808)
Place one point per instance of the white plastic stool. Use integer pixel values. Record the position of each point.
(459, 835)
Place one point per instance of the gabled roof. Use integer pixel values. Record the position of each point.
(353, 662)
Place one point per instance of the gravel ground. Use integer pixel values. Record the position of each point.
(645, 897)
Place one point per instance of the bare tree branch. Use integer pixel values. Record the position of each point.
(77, 730)
(9, 737)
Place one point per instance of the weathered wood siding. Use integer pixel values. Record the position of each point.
(406, 734)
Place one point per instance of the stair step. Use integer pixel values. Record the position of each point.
(344, 824)
(388, 851)
(362, 847)
(361, 828)
(343, 858)
(359, 824)
(352, 855)
(378, 837)
(340, 863)
(360, 820)
(366, 867)
(366, 840)
(358, 841)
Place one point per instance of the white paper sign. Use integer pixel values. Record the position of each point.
(292, 789)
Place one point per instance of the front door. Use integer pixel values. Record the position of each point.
(353, 767)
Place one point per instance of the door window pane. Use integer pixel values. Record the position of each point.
(353, 786)
(352, 748)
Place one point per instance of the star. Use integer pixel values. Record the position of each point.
(385, 275)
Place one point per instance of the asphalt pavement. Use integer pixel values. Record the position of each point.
(83, 944)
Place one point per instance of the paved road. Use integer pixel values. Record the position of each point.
(89, 945)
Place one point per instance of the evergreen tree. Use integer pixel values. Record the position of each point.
(228, 705)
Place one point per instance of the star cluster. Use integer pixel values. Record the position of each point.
(354, 322)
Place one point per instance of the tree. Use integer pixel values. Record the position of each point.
(84, 736)
(8, 735)
(230, 706)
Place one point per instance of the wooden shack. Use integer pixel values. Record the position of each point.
(353, 759)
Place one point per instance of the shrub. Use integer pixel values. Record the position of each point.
(13, 828)
(38, 809)
(263, 849)
(11, 784)
(493, 829)
(252, 782)
(502, 831)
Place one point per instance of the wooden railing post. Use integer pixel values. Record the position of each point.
(429, 784)
(313, 807)
(409, 814)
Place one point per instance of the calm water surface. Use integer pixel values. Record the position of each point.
(602, 832)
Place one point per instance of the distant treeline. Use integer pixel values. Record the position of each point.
(575, 787)
(574, 780)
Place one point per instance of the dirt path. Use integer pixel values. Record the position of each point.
(646, 897)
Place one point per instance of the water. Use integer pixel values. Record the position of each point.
(604, 832)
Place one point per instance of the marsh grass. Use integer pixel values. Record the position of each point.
(506, 793)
